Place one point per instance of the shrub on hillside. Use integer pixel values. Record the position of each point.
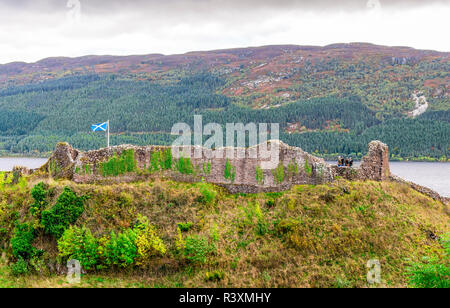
(64, 213)
(197, 248)
(39, 194)
(19, 268)
(208, 194)
(79, 244)
(148, 243)
(185, 226)
(120, 249)
(433, 272)
(22, 240)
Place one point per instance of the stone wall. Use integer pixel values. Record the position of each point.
(375, 166)
(247, 171)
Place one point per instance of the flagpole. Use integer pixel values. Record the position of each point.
(107, 134)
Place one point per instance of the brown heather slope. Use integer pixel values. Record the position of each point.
(270, 75)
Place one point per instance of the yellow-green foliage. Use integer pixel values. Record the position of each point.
(252, 217)
(278, 174)
(214, 276)
(79, 244)
(161, 160)
(208, 193)
(207, 168)
(118, 165)
(5, 178)
(308, 169)
(184, 165)
(292, 169)
(229, 171)
(148, 243)
(87, 169)
(53, 167)
(179, 241)
(259, 175)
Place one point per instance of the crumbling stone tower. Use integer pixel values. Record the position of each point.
(375, 166)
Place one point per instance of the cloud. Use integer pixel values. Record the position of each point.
(189, 6)
(32, 30)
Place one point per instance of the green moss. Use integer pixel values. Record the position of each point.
(87, 169)
(207, 168)
(259, 175)
(229, 172)
(278, 174)
(292, 168)
(54, 167)
(160, 160)
(184, 166)
(118, 165)
(307, 168)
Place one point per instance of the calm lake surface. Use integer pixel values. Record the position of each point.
(7, 163)
(433, 175)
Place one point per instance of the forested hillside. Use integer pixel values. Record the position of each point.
(331, 100)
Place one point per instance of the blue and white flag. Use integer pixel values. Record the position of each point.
(100, 127)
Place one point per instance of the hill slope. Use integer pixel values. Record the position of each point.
(331, 99)
(310, 236)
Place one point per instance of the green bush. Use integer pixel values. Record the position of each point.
(39, 194)
(214, 276)
(148, 243)
(19, 268)
(433, 272)
(22, 241)
(197, 248)
(252, 217)
(79, 244)
(120, 249)
(208, 194)
(64, 213)
(185, 227)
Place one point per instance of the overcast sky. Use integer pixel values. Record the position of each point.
(34, 29)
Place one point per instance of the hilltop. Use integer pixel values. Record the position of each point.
(329, 100)
(199, 235)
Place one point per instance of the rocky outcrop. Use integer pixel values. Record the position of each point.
(375, 166)
(62, 162)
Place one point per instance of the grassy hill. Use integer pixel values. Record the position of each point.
(329, 100)
(197, 235)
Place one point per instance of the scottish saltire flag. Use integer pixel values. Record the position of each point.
(100, 127)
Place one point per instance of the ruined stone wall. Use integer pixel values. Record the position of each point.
(246, 170)
(375, 166)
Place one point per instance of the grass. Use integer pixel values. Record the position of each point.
(309, 236)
